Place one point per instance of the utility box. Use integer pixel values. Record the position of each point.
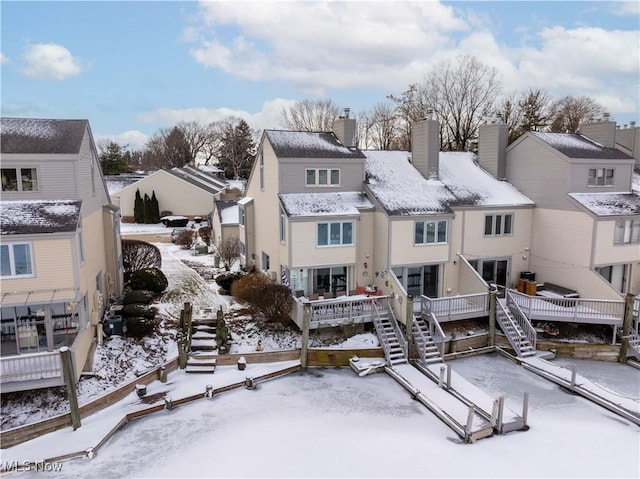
(115, 324)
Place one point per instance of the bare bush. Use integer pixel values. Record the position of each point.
(137, 255)
(185, 239)
(205, 234)
(229, 251)
(273, 301)
(244, 288)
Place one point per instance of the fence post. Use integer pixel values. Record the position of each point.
(626, 327)
(525, 408)
(70, 381)
(493, 295)
(409, 319)
(306, 320)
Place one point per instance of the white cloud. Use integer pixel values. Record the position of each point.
(132, 139)
(268, 117)
(626, 7)
(50, 61)
(3, 58)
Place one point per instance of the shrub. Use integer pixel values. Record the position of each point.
(205, 234)
(127, 219)
(138, 296)
(166, 213)
(139, 327)
(185, 239)
(152, 279)
(225, 281)
(229, 251)
(274, 301)
(244, 288)
(137, 255)
(138, 309)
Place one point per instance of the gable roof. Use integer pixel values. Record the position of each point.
(33, 135)
(579, 146)
(35, 217)
(324, 204)
(305, 144)
(199, 178)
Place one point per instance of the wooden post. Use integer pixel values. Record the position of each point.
(441, 378)
(573, 379)
(469, 426)
(306, 320)
(409, 322)
(493, 297)
(499, 423)
(525, 408)
(182, 354)
(162, 374)
(70, 381)
(448, 376)
(626, 327)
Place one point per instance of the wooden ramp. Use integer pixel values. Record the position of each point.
(622, 405)
(472, 417)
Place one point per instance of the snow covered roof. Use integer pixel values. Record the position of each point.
(35, 217)
(579, 146)
(609, 204)
(324, 204)
(245, 201)
(635, 181)
(200, 179)
(401, 189)
(228, 212)
(305, 144)
(34, 135)
(473, 186)
(116, 183)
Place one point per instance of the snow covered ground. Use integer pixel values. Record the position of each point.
(332, 423)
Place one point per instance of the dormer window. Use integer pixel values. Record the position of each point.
(600, 177)
(19, 179)
(322, 177)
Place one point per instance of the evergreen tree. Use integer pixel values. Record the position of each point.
(237, 150)
(138, 208)
(114, 159)
(155, 209)
(148, 214)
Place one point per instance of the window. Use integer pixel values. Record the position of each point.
(265, 262)
(282, 226)
(600, 177)
(243, 248)
(16, 259)
(81, 241)
(19, 179)
(334, 234)
(627, 231)
(430, 232)
(498, 225)
(322, 177)
(241, 215)
(261, 159)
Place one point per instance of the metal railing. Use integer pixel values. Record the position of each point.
(31, 367)
(456, 307)
(597, 311)
(522, 320)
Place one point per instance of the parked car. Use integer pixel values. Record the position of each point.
(176, 221)
(175, 232)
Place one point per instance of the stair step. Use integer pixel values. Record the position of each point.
(432, 354)
(191, 369)
(434, 360)
(203, 347)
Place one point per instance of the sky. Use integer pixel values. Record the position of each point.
(132, 68)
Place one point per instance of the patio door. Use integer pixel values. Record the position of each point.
(330, 279)
(494, 271)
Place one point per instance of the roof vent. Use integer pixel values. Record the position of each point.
(632, 124)
(346, 112)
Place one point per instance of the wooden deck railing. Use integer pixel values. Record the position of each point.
(521, 319)
(337, 311)
(572, 310)
(456, 307)
(31, 367)
(435, 331)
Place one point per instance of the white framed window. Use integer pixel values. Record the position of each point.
(430, 232)
(16, 260)
(335, 234)
(266, 262)
(322, 176)
(500, 224)
(19, 179)
(282, 226)
(627, 231)
(261, 163)
(600, 177)
(243, 248)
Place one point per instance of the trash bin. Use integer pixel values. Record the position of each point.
(115, 324)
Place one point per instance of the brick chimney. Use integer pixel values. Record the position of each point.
(602, 131)
(345, 129)
(493, 137)
(425, 146)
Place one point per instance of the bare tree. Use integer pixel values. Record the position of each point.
(461, 91)
(229, 251)
(170, 148)
(384, 128)
(570, 112)
(410, 107)
(310, 115)
(510, 112)
(196, 137)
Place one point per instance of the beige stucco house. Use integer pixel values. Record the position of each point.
(60, 248)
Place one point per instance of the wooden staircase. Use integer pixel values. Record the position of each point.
(425, 342)
(516, 336)
(392, 341)
(202, 356)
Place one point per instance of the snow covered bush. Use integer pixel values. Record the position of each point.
(205, 234)
(152, 279)
(137, 255)
(138, 296)
(225, 281)
(137, 309)
(139, 327)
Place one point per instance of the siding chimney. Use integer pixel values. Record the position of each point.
(603, 131)
(492, 147)
(425, 146)
(628, 141)
(345, 129)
